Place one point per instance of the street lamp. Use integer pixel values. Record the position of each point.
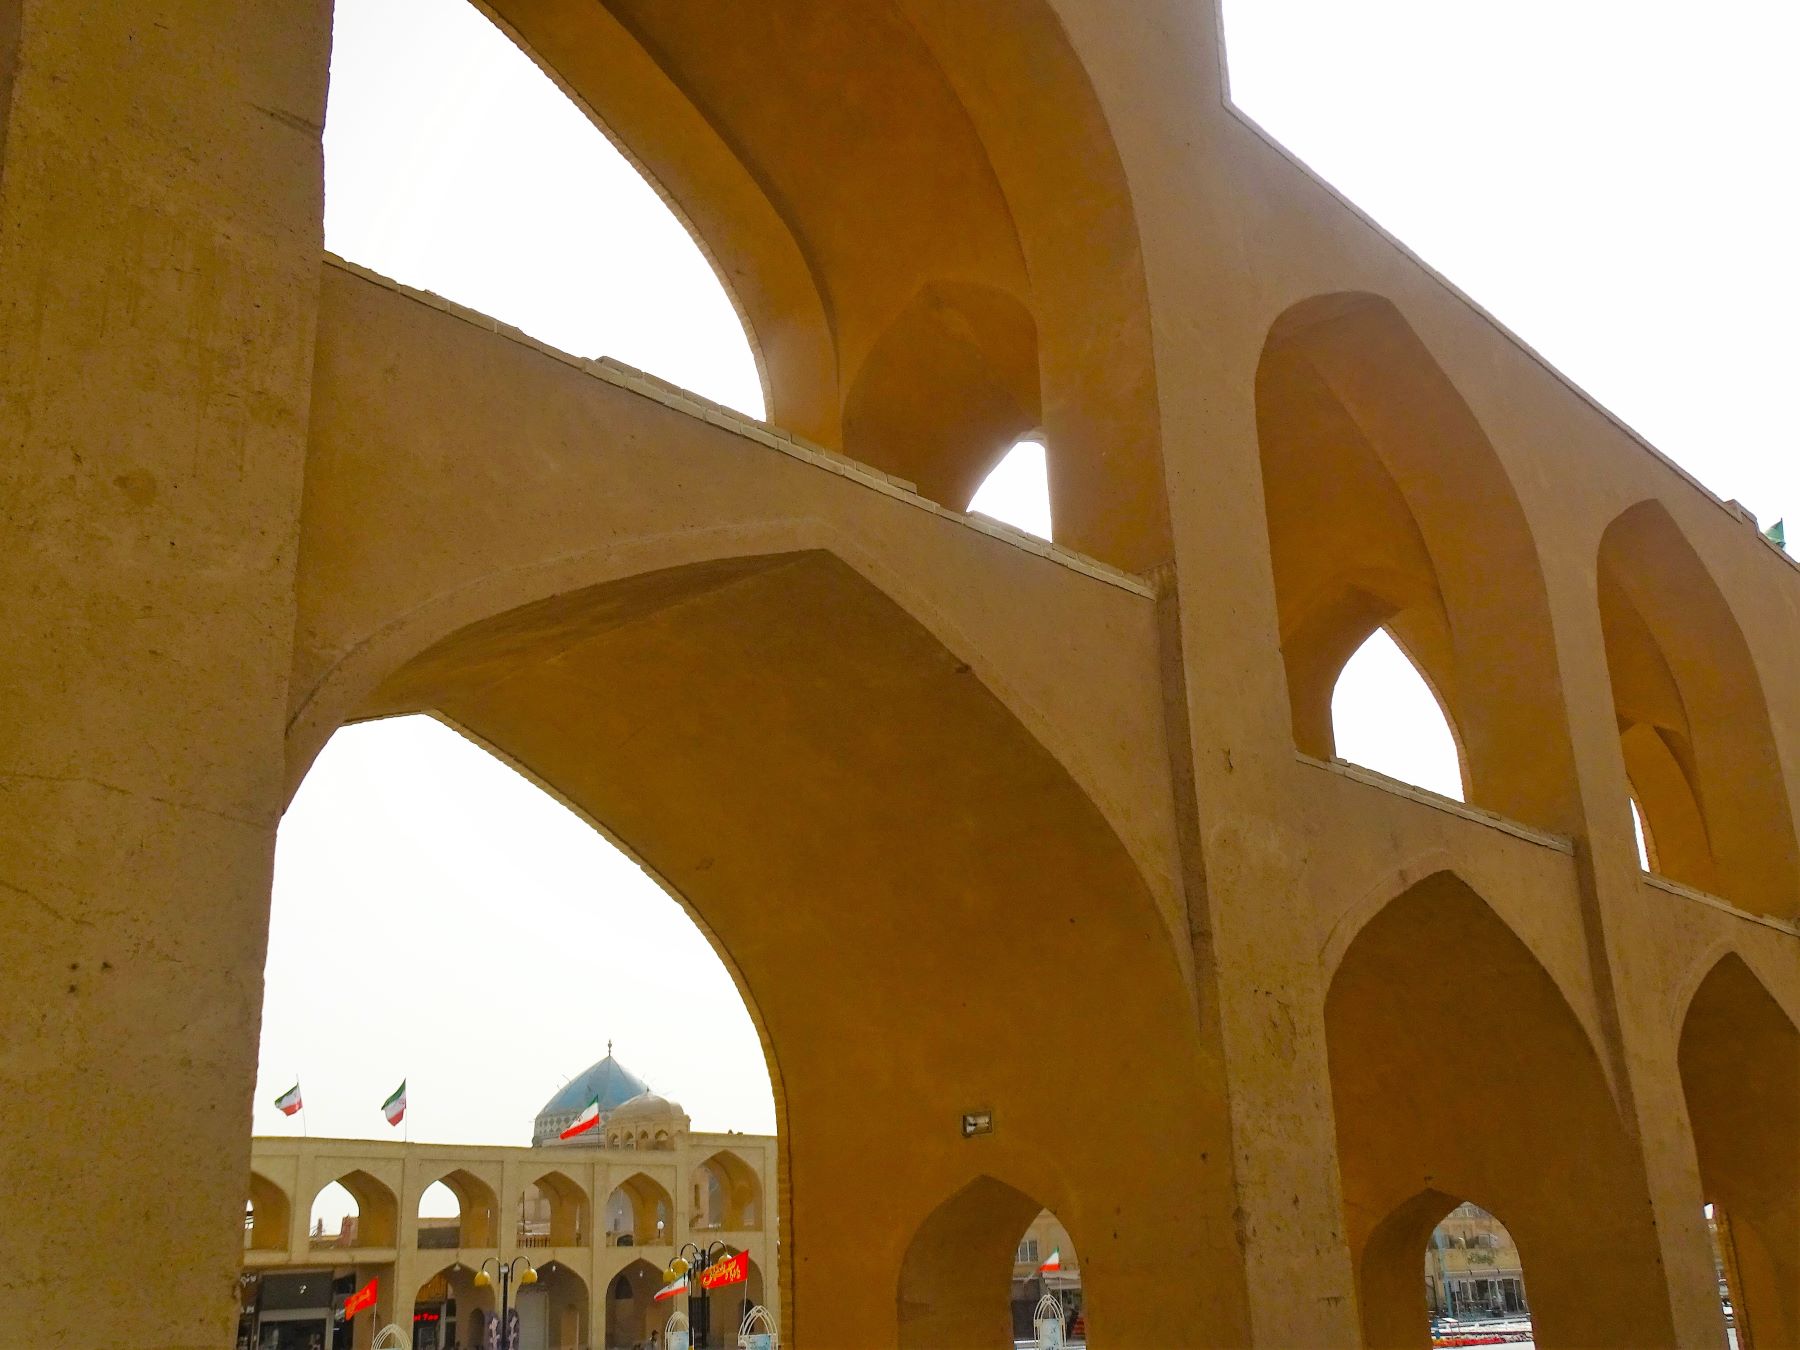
(699, 1309)
(505, 1270)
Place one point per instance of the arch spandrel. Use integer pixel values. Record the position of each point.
(1388, 506)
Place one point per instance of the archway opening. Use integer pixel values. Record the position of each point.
(707, 717)
(1385, 717)
(1474, 1276)
(440, 1217)
(976, 1273)
(1388, 508)
(1017, 489)
(1739, 1056)
(1700, 757)
(639, 1213)
(726, 1194)
(1439, 1023)
(632, 1312)
(356, 1210)
(450, 1310)
(554, 1313)
(553, 1212)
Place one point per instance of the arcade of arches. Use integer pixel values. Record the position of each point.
(910, 771)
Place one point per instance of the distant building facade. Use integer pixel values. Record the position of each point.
(599, 1216)
(1472, 1267)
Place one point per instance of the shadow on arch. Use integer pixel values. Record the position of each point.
(955, 1288)
(1459, 1070)
(1693, 721)
(861, 828)
(1388, 508)
(1740, 1073)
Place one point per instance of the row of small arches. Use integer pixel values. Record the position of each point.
(460, 1209)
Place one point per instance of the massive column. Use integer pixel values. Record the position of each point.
(160, 223)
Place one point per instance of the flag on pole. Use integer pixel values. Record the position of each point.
(589, 1117)
(1053, 1261)
(289, 1102)
(1776, 534)
(672, 1289)
(394, 1108)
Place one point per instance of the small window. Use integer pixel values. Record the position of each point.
(1028, 1251)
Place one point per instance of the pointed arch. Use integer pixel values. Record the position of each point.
(377, 1209)
(564, 1305)
(1739, 1057)
(478, 1208)
(1388, 508)
(631, 1307)
(270, 1215)
(733, 1200)
(1439, 1023)
(634, 1210)
(955, 1282)
(554, 1211)
(1693, 722)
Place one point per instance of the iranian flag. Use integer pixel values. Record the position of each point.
(589, 1117)
(394, 1108)
(1054, 1261)
(289, 1102)
(670, 1290)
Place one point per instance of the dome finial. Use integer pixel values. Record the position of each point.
(609, 1045)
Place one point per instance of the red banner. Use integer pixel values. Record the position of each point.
(362, 1298)
(726, 1270)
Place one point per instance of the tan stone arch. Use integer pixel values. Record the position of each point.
(477, 1204)
(631, 1307)
(737, 1201)
(955, 1286)
(646, 1200)
(1459, 1069)
(271, 1214)
(1739, 1056)
(1693, 722)
(805, 766)
(570, 1218)
(1388, 507)
(826, 212)
(568, 1308)
(377, 1209)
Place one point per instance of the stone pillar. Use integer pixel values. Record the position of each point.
(160, 232)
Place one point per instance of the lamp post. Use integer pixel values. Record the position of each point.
(505, 1270)
(699, 1306)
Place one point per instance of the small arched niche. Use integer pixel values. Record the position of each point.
(1693, 722)
(972, 1277)
(1473, 1271)
(1740, 1073)
(1389, 509)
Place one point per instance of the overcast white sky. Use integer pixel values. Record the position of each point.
(1610, 179)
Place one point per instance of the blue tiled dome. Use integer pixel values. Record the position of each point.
(608, 1080)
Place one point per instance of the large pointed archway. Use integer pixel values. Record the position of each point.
(1459, 1071)
(810, 772)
